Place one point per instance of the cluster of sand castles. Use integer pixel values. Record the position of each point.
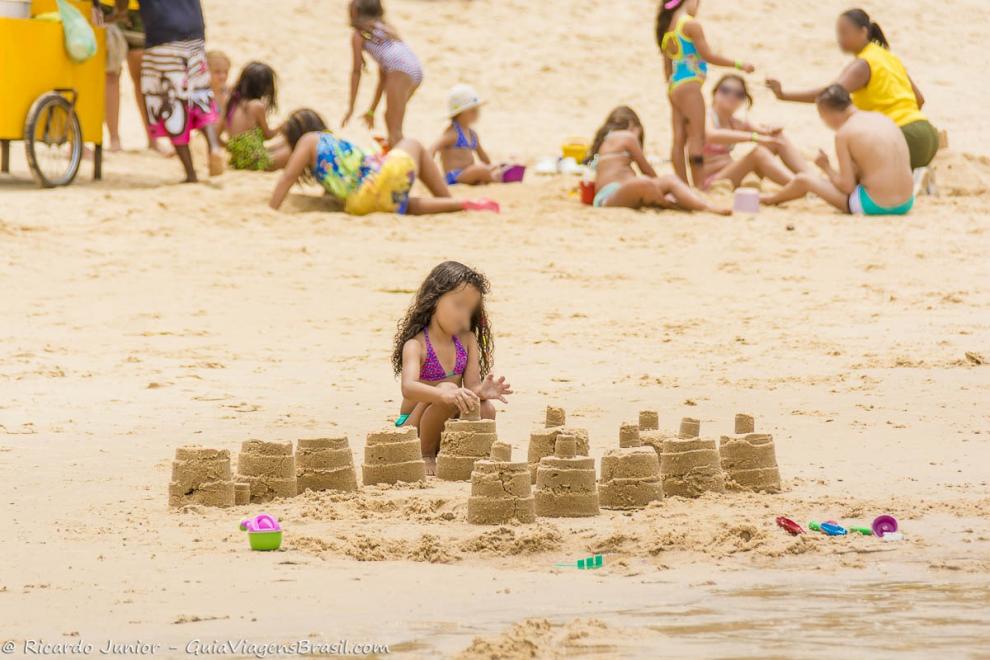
(648, 465)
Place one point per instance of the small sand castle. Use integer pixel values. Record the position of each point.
(565, 482)
(392, 455)
(542, 441)
(269, 468)
(630, 474)
(201, 476)
(650, 434)
(242, 493)
(463, 442)
(690, 465)
(500, 490)
(324, 464)
(750, 459)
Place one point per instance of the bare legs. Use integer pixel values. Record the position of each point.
(134, 67)
(112, 97)
(805, 183)
(478, 174)
(399, 88)
(429, 419)
(688, 115)
(215, 155)
(665, 192)
(433, 179)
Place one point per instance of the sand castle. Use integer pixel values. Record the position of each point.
(500, 490)
(242, 493)
(201, 476)
(565, 482)
(542, 441)
(269, 468)
(463, 442)
(392, 455)
(690, 465)
(324, 464)
(630, 474)
(750, 459)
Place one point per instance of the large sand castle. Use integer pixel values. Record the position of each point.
(690, 465)
(749, 459)
(630, 474)
(565, 482)
(201, 476)
(463, 442)
(324, 464)
(542, 441)
(269, 468)
(392, 455)
(500, 490)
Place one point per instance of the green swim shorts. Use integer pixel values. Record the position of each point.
(860, 203)
(922, 140)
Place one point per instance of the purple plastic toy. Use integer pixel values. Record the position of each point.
(884, 524)
(261, 523)
(513, 174)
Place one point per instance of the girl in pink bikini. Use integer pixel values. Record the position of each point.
(444, 353)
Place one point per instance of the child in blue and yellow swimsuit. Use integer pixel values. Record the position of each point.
(686, 56)
(459, 142)
(363, 181)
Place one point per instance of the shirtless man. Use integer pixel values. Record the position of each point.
(874, 176)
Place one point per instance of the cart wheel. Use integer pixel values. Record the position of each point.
(53, 140)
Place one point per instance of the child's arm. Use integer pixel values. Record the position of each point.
(845, 178)
(445, 142)
(482, 155)
(357, 63)
(754, 134)
(694, 30)
(636, 151)
(486, 389)
(446, 393)
(301, 157)
(259, 113)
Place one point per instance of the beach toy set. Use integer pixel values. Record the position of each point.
(264, 532)
(884, 527)
(586, 564)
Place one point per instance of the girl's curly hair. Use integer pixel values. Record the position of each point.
(448, 276)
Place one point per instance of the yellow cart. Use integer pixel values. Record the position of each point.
(53, 104)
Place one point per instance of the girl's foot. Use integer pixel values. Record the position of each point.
(431, 465)
(216, 163)
(480, 205)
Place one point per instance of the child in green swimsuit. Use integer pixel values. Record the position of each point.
(253, 98)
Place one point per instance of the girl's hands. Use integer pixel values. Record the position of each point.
(821, 160)
(774, 86)
(459, 397)
(747, 67)
(494, 389)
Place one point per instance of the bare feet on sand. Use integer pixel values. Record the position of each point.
(216, 163)
(431, 465)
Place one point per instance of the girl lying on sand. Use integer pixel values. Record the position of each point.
(365, 182)
(246, 117)
(726, 131)
(617, 145)
(446, 325)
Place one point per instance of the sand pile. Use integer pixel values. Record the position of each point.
(392, 455)
(201, 476)
(324, 464)
(690, 465)
(269, 468)
(542, 441)
(631, 474)
(750, 459)
(500, 490)
(565, 482)
(463, 442)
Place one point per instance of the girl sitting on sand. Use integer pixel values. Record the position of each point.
(686, 56)
(444, 352)
(253, 98)
(725, 131)
(459, 143)
(365, 182)
(617, 145)
(400, 72)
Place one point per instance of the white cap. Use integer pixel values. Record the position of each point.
(462, 97)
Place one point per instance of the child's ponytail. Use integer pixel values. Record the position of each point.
(861, 19)
(665, 14)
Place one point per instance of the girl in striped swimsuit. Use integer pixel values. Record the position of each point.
(400, 72)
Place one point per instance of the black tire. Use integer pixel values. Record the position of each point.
(52, 135)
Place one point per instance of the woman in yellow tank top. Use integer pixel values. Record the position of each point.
(878, 82)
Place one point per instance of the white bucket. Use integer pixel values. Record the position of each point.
(15, 8)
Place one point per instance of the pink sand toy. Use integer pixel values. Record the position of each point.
(264, 532)
(746, 200)
(884, 525)
(513, 173)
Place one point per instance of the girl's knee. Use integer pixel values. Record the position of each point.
(487, 410)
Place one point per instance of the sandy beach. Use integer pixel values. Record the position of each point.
(141, 316)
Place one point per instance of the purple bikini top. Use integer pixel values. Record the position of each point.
(432, 371)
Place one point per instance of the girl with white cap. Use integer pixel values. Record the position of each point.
(459, 142)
